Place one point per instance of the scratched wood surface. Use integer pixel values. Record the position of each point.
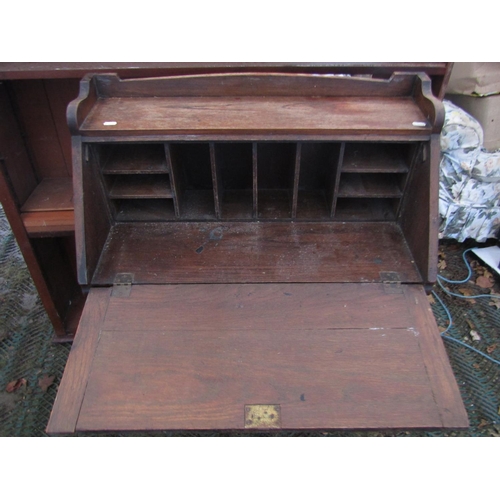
(236, 115)
(192, 356)
(246, 252)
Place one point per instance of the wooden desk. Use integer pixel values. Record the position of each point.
(258, 254)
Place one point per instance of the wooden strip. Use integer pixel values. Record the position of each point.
(255, 185)
(216, 181)
(174, 180)
(442, 380)
(296, 177)
(78, 181)
(74, 382)
(16, 70)
(371, 136)
(279, 307)
(49, 223)
(255, 84)
(140, 186)
(336, 184)
(221, 115)
(255, 252)
(322, 379)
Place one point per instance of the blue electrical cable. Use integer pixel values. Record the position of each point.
(447, 337)
(450, 320)
(457, 282)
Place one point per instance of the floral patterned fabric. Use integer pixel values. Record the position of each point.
(469, 180)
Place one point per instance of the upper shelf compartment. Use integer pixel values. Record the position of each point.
(253, 106)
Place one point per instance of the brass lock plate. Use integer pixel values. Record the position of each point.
(262, 417)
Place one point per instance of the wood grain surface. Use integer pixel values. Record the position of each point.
(192, 356)
(254, 115)
(74, 382)
(251, 252)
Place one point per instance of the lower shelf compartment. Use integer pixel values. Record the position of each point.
(139, 210)
(368, 209)
(255, 252)
(261, 356)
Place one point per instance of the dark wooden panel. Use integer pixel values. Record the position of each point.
(16, 163)
(203, 380)
(233, 163)
(253, 115)
(419, 213)
(255, 252)
(39, 124)
(279, 307)
(59, 94)
(92, 214)
(72, 387)
(58, 271)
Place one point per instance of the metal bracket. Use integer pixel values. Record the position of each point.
(391, 282)
(122, 285)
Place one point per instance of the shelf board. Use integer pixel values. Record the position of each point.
(255, 252)
(368, 186)
(255, 115)
(140, 186)
(375, 158)
(55, 223)
(51, 195)
(136, 159)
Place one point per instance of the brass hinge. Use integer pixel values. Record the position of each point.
(262, 417)
(391, 281)
(122, 285)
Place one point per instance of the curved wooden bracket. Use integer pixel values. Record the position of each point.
(428, 103)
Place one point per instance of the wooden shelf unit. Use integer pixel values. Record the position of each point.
(252, 180)
(36, 149)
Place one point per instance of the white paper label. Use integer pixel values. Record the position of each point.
(107, 124)
(419, 124)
